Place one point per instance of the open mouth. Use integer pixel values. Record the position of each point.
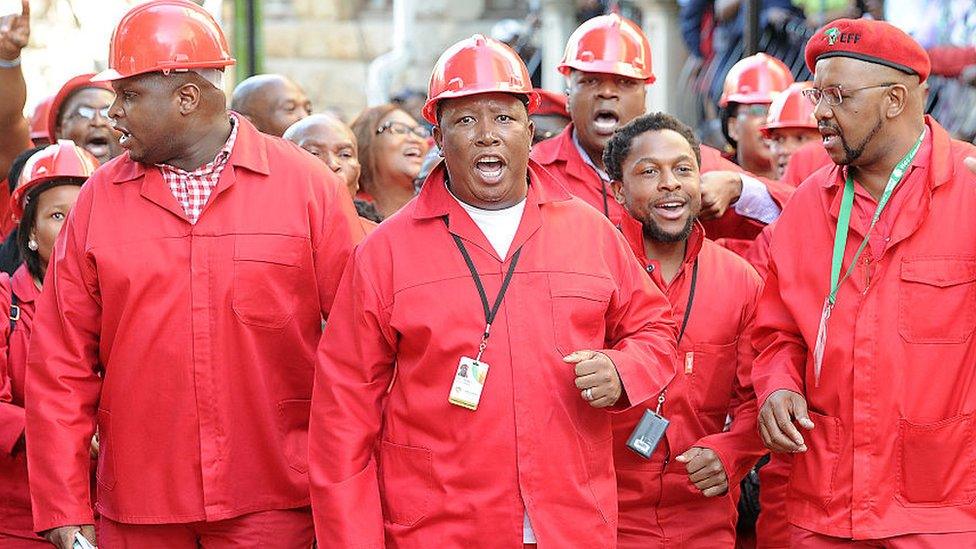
(606, 121)
(98, 145)
(124, 136)
(829, 135)
(413, 152)
(490, 168)
(671, 208)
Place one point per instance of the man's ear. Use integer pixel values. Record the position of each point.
(189, 96)
(435, 132)
(733, 126)
(618, 191)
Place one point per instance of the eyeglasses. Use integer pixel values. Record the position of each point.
(399, 128)
(88, 113)
(755, 109)
(834, 95)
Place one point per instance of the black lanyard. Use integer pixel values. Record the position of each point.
(691, 300)
(489, 313)
(684, 324)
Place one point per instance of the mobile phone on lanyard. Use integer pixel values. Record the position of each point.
(81, 542)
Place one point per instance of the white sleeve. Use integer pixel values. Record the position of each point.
(755, 202)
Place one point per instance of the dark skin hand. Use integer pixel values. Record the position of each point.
(14, 129)
(778, 420)
(720, 190)
(596, 372)
(63, 537)
(705, 471)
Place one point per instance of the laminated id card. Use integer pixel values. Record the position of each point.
(647, 434)
(469, 381)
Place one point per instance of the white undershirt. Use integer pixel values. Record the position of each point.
(499, 227)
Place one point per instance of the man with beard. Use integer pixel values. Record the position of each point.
(271, 102)
(181, 312)
(79, 112)
(479, 340)
(607, 64)
(865, 327)
(682, 496)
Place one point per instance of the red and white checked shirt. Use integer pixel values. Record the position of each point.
(192, 189)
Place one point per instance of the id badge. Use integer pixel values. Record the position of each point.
(469, 381)
(648, 433)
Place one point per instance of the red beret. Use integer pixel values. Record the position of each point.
(552, 103)
(79, 82)
(871, 41)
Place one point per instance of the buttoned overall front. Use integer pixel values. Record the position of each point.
(204, 335)
(892, 449)
(446, 476)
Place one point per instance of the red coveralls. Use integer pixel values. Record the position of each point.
(891, 453)
(16, 526)
(420, 472)
(205, 334)
(714, 381)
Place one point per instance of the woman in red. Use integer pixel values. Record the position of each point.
(49, 187)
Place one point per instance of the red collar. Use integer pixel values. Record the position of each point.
(22, 284)
(250, 152)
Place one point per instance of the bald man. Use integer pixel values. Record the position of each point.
(865, 326)
(329, 139)
(271, 102)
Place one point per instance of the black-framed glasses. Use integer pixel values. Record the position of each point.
(834, 95)
(88, 113)
(399, 128)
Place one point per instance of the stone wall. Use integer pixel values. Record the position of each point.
(327, 45)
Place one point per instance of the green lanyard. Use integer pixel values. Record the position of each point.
(840, 244)
(844, 219)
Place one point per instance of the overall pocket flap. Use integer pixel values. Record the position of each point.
(939, 271)
(580, 285)
(269, 248)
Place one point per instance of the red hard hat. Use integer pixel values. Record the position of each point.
(609, 44)
(755, 79)
(790, 110)
(60, 160)
(552, 103)
(478, 65)
(76, 83)
(38, 121)
(165, 35)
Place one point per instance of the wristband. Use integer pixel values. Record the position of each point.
(4, 64)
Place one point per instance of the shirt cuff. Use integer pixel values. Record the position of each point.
(755, 202)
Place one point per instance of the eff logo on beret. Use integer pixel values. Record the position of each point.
(833, 36)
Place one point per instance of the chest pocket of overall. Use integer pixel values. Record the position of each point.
(937, 299)
(579, 308)
(713, 369)
(267, 278)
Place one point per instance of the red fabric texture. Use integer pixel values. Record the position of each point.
(659, 506)
(193, 327)
(868, 40)
(399, 465)
(890, 453)
(284, 529)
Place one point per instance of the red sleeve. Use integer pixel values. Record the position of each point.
(781, 351)
(740, 447)
(356, 360)
(338, 231)
(11, 415)
(62, 386)
(641, 331)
